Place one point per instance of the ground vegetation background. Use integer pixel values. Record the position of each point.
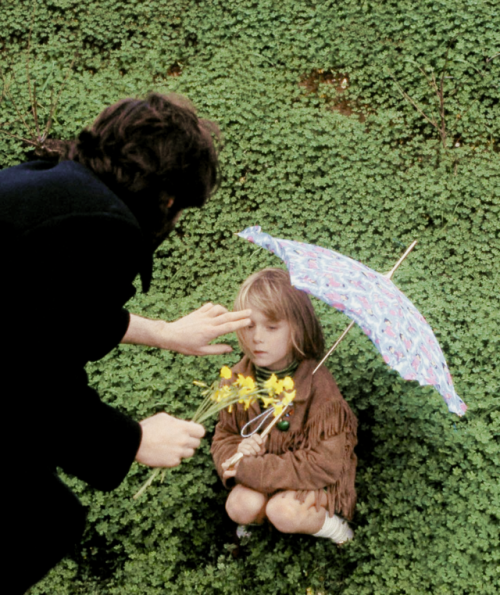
(359, 125)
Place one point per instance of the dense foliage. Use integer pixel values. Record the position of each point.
(356, 125)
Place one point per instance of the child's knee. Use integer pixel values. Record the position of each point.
(244, 505)
(284, 512)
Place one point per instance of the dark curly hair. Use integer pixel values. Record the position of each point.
(149, 151)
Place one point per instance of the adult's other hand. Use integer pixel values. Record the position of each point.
(167, 440)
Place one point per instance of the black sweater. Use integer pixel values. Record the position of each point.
(69, 251)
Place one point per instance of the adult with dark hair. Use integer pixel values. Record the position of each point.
(76, 228)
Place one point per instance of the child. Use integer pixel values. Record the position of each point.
(301, 477)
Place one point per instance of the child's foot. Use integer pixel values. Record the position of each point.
(337, 529)
(242, 531)
(344, 534)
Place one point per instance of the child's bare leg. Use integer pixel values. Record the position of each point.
(289, 515)
(245, 506)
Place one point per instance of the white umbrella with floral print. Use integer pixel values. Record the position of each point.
(397, 329)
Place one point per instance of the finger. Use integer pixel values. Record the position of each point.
(187, 453)
(258, 438)
(218, 310)
(217, 349)
(226, 316)
(195, 430)
(205, 307)
(192, 443)
(231, 327)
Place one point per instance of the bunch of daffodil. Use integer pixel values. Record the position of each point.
(244, 391)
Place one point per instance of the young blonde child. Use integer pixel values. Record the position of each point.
(300, 477)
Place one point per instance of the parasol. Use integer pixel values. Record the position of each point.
(395, 326)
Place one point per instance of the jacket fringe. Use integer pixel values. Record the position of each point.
(331, 419)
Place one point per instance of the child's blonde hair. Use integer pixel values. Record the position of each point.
(271, 292)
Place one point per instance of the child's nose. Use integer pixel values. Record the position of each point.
(257, 336)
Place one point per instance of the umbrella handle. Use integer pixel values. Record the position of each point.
(387, 276)
(238, 456)
(233, 460)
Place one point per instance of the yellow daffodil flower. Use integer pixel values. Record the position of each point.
(245, 382)
(249, 402)
(278, 410)
(272, 383)
(221, 394)
(225, 372)
(266, 401)
(288, 383)
(288, 398)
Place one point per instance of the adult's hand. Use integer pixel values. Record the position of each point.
(167, 440)
(190, 334)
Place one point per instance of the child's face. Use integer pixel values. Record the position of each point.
(270, 342)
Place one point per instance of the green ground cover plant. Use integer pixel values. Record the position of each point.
(357, 125)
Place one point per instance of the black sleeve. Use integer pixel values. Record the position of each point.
(75, 278)
(83, 435)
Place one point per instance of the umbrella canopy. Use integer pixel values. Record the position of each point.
(384, 313)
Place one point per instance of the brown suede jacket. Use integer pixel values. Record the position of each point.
(315, 454)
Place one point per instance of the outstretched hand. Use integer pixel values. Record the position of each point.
(167, 440)
(192, 334)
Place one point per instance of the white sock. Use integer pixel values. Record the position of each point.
(336, 529)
